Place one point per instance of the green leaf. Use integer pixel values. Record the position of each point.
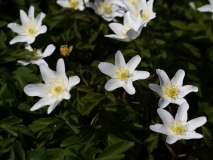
(19, 150)
(115, 150)
(207, 136)
(69, 141)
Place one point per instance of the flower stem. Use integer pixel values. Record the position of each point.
(173, 154)
(151, 36)
(139, 52)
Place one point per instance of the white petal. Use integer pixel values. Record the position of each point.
(164, 79)
(127, 19)
(133, 63)
(21, 39)
(116, 27)
(177, 80)
(187, 89)
(42, 102)
(28, 47)
(66, 96)
(158, 128)
(206, 8)
(195, 123)
(64, 4)
(123, 39)
(150, 4)
(140, 75)
(48, 51)
(24, 18)
(156, 88)
(31, 13)
(132, 34)
(165, 116)
(23, 62)
(164, 101)
(129, 87)
(47, 73)
(182, 112)
(108, 69)
(74, 80)
(35, 89)
(178, 101)
(16, 28)
(60, 68)
(39, 18)
(30, 39)
(39, 61)
(113, 84)
(119, 59)
(171, 139)
(42, 29)
(52, 106)
(192, 135)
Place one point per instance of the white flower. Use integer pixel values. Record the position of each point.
(106, 8)
(55, 89)
(122, 74)
(37, 57)
(171, 91)
(178, 128)
(127, 32)
(74, 4)
(140, 8)
(192, 5)
(207, 7)
(30, 28)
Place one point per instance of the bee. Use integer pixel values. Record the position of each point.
(65, 51)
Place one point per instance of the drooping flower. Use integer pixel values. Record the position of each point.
(142, 9)
(171, 91)
(30, 28)
(178, 128)
(207, 7)
(122, 74)
(74, 4)
(106, 9)
(37, 57)
(56, 87)
(130, 30)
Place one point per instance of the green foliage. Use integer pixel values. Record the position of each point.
(96, 124)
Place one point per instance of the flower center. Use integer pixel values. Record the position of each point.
(36, 54)
(107, 7)
(64, 50)
(123, 32)
(73, 3)
(178, 128)
(56, 87)
(30, 28)
(122, 73)
(145, 14)
(171, 91)
(134, 2)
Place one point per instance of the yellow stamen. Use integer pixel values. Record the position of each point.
(145, 14)
(123, 32)
(30, 28)
(107, 7)
(122, 73)
(171, 91)
(64, 50)
(134, 2)
(73, 3)
(56, 87)
(178, 128)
